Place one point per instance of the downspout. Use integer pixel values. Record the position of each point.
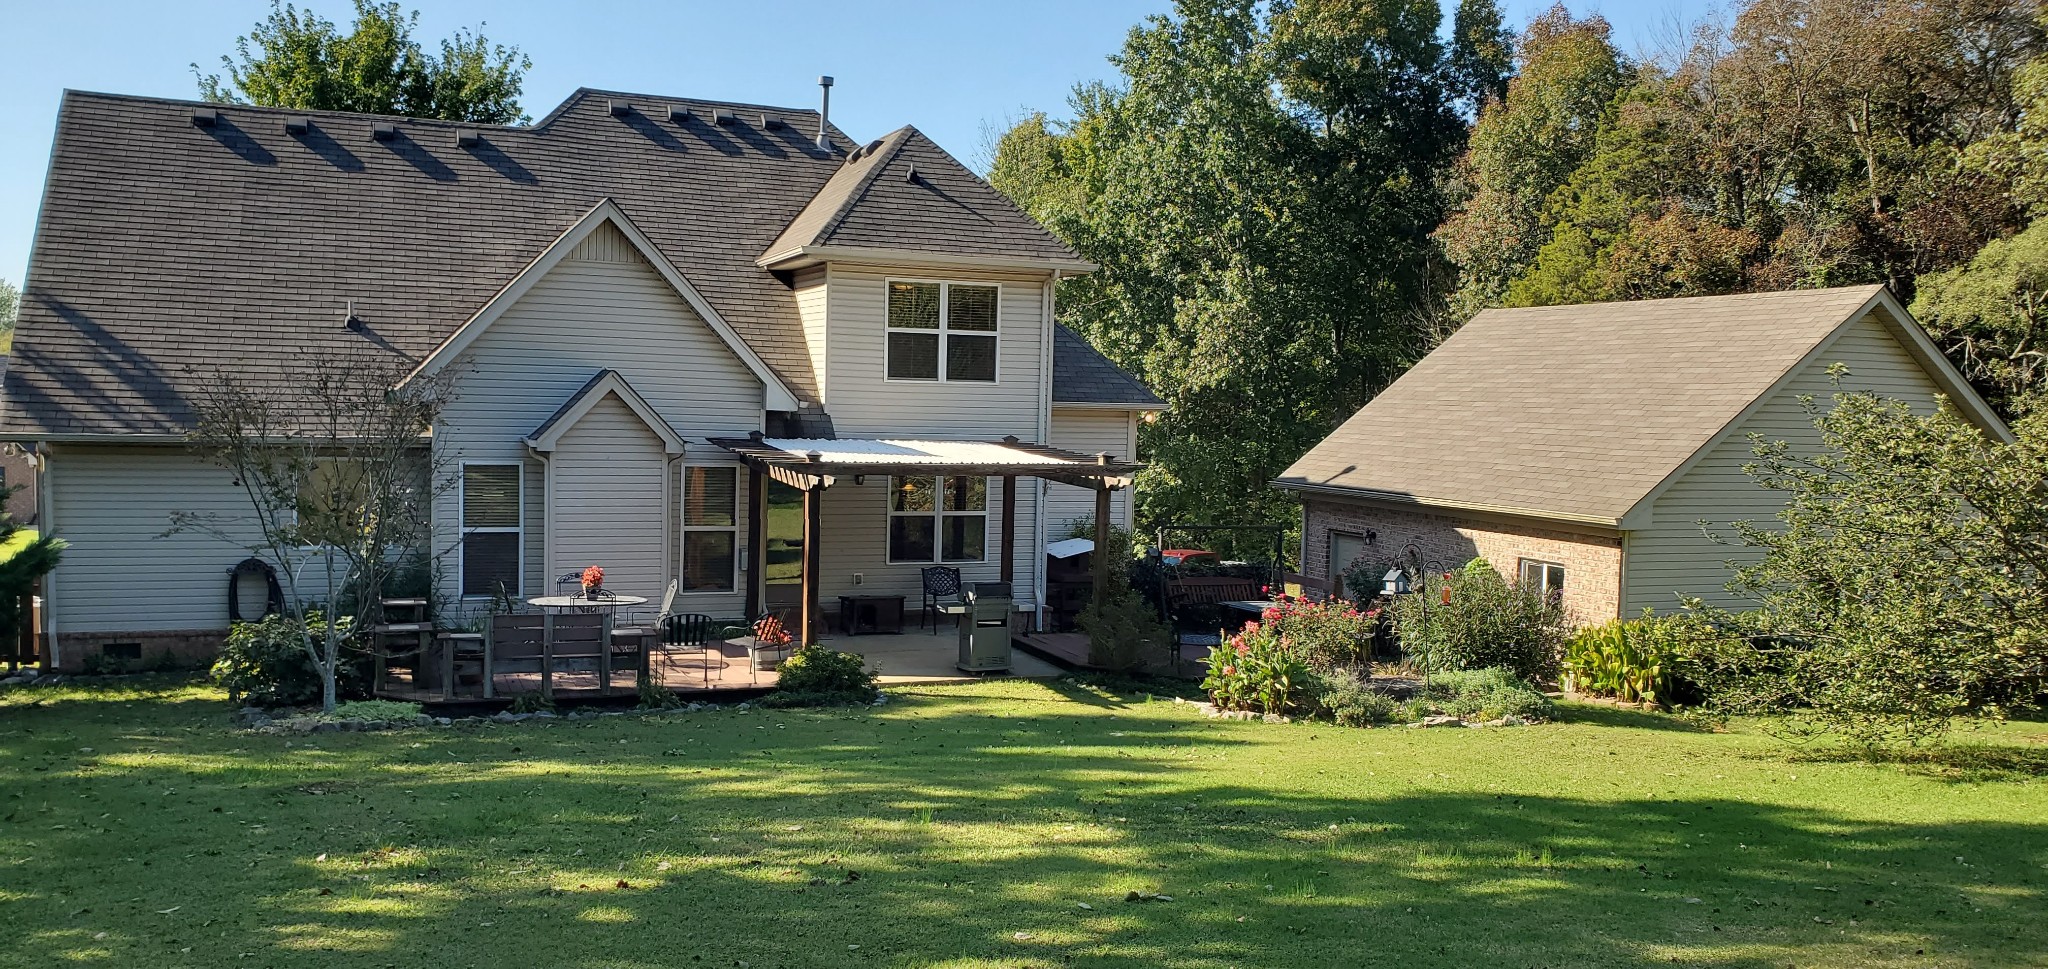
(1038, 524)
(45, 524)
(672, 542)
(547, 522)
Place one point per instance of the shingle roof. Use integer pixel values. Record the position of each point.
(1082, 375)
(905, 192)
(165, 249)
(1572, 412)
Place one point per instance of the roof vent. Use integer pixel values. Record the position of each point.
(874, 146)
(205, 117)
(825, 111)
(723, 116)
(297, 125)
(619, 109)
(911, 176)
(679, 113)
(771, 121)
(384, 131)
(858, 151)
(467, 138)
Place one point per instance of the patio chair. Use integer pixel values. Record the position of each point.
(635, 631)
(688, 632)
(514, 644)
(579, 636)
(759, 649)
(941, 582)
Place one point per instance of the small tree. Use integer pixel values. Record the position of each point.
(19, 570)
(1906, 582)
(340, 480)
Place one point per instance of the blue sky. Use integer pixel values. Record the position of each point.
(951, 68)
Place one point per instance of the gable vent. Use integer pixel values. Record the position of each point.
(384, 131)
(723, 117)
(205, 117)
(679, 113)
(619, 109)
(467, 138)
(297, 125)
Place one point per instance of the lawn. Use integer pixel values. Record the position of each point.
(999, 824)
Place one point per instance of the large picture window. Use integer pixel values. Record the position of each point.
(942, 331)
(710, 529)
(491, 536)
(933, 519)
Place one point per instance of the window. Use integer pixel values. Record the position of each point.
(1544, 577)
(491, 536)
(710, 529)
(934, 519)
(942, 331)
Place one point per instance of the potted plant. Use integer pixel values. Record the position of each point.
(593, 582)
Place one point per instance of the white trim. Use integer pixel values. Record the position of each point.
(1522, 563)
(1097, 405)
(777, 395)
(685, 528)
(944, 333)
(463, 530)
(46, 524)
(610, 384)
(938, 515)
(1957, 387)
(801, 256)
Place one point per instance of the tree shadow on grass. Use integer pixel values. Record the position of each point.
(939, 831)
(1600, 714)
(1963, 762)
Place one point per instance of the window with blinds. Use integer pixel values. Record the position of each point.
(942, 331)
(710, 529)
(492, 537)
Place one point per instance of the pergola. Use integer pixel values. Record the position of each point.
(811, 465)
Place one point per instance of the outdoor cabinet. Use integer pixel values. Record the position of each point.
(985, 628)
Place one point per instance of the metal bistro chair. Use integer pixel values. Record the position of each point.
(635, 631)
(690, 632)
(941, 582)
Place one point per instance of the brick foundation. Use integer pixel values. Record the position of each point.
(190, 647)
(1592, 561)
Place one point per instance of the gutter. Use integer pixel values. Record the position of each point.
(808, 255)
(1038, 527)
(1398, 498)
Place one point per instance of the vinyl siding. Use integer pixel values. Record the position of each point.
(121, 572)
(602, 307)
(1672, 557)
(608, 482)
(812, 308)
(856, 523)
(1089, 431)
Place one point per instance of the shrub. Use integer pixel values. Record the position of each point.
(1328, 636)
(819, 676)
(654, 695)
(1256, 670)
(533, 701)
(1344, 697)
(1485, 694)
(267, 662)
(1123, 630)
(372, 710)
(1649, 659)
(1474, 619)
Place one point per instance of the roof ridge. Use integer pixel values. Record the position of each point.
(538, 124)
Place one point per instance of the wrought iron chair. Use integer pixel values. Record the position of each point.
(941, 582)
(689, 632)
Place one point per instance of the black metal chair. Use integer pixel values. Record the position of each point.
(940, 582)
(687, 632)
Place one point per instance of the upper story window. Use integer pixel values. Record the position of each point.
(942, 331)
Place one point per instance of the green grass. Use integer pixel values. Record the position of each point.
(969, 827)
(21, 539)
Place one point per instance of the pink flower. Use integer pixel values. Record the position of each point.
(1230, 671)
(1242, 649)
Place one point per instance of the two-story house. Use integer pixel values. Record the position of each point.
(720, 345)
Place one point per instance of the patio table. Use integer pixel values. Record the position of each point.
(609, 603)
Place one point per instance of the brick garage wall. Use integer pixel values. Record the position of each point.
(1592, 561)
(190, 647)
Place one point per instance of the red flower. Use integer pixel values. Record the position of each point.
(593, 577)
(1230, 671)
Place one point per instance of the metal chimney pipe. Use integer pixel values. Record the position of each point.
(825, 112)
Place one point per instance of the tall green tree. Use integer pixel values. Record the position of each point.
(297, 59)
(1258, 187)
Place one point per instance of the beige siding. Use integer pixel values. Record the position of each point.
(121, 572)
(1673, 557)
(609, 509)
(602, 308)
(1088, 431)
(812, 307)
(856, 523)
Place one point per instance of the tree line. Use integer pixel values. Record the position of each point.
(1293, 201)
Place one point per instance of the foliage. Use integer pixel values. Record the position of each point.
(10, 305)
(331, 457)
(655, 695)
(532, 701)
(1326, 635)
(1345, 698)
(1642, 660)
(1257, 670)
(372, 710)
(1991, 315)
(1124, 630)
(1475, 619)
(270, 661)
(30, 556)
(1484, 694)
(816, 673)
(1259, 194)
(1902, 587)
(298, 59)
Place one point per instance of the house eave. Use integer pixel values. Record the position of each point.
(803, 256)
(1446, 504)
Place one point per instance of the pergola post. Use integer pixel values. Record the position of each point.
(1008, 546)
(1101, 534)
(814, 499)
(757, 539)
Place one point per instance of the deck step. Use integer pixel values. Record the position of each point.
(403, 627)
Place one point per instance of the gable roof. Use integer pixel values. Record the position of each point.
(1081, 375)
(604, 383)
(166, 249)
(1583, 413)
(607, 212)
(901, 197)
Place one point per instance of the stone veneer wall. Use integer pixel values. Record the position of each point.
(1592, 561)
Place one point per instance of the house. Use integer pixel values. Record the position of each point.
(1578, 448)
(656, 311)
